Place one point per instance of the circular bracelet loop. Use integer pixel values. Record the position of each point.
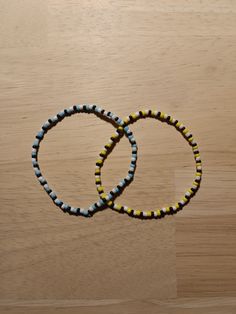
(161, 212)
(100, 204)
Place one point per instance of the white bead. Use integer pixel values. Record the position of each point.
(73, 210)
(84, 211)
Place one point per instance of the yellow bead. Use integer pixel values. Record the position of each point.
(98, 180)
(109, 203)
(103, 195)
(138, 212)
(100, 189)
(118, 207)
(185, 131)
(114, 136)
(126, 120)
(178, 124)
(133, 115)
(144, 113)
(99, 161)
(154, 113)
(108, 145)
(176, 205)
(190, 139)
(167, 209)
(197, 155)
(97, 171)
(128, 210)
(162, 115)
(149, 213)
(158, 213)
(195, 183)
(103, 152)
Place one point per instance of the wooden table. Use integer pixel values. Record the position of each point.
(174, 56)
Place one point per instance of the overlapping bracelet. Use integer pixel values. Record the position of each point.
(108, 199)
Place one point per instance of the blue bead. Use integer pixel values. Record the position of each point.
(53, 195)
(78, 108)
(54, 119)
(47, 188)
(40, 134)
(36, 143)
(62, 114)
(109, 197)
(100, 203)
(58, 202)
(42, 180)
(46, 125)
(37, 172)
(35, 163)
(120, 121)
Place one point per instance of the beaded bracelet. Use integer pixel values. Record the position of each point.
(108, 198)
(100, 204)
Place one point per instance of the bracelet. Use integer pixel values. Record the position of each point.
(108, 198)
(100, 204)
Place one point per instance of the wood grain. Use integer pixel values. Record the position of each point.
(175, 56)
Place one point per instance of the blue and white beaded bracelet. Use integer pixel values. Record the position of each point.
(84, 108)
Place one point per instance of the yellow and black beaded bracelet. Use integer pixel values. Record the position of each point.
(160, 212)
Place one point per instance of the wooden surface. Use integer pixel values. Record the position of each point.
(175, 56)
